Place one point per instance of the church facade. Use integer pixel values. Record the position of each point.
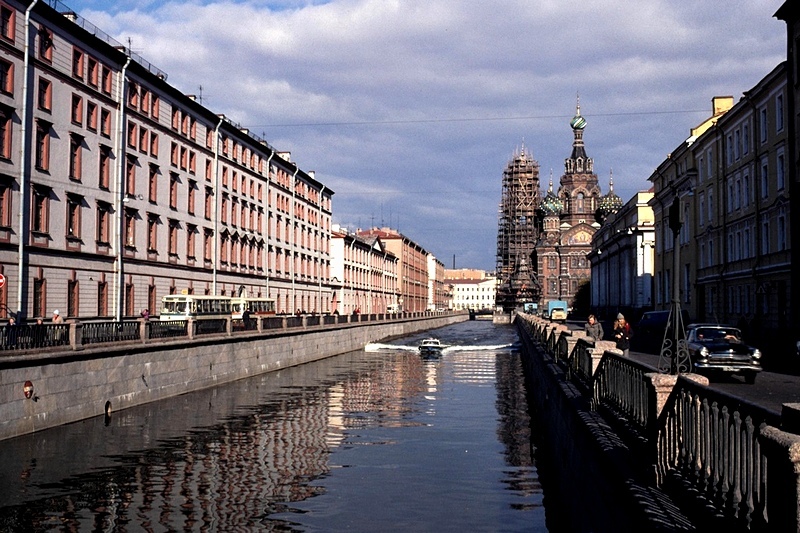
(570, 217)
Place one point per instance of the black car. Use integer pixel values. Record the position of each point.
(716, 349)
(649, 331)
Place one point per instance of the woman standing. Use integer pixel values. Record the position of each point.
(594, 329)
(622, 334)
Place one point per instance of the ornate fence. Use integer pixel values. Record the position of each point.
(715, 453)
(17, 339)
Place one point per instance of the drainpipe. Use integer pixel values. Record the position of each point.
(293, 241)
(215, 252)
(119, 150)
(266, 281)
(319, 248)
(23, 164)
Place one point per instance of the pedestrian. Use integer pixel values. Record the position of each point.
(622, 334)
(594, 329)
(246, 318)
(11, 332)
(145, 314)
(58, 333)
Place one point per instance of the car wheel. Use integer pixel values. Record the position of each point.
(750, 378)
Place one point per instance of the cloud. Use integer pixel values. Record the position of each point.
(410, 109)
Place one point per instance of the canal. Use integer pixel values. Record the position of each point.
(374, 440)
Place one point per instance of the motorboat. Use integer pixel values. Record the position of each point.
(431, 347)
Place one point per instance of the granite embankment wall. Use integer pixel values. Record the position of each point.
(74, 385)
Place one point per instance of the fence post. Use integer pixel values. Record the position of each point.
(781, 447)
(75, 334)
(144, 330)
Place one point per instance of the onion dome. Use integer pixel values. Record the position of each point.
(609, 203)
(552, 204)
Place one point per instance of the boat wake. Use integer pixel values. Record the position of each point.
(378, 347)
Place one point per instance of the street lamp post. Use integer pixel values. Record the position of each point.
(674, 355)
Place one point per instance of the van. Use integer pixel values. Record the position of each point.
(649, 332)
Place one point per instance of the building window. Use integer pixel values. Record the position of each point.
(105, 123)
(173, 190)
(74, 215)
(107, 79)
(155, 106)
(5, 204)
(131, 135)
(41, 209)
(152, 233)
(190, 199)
(7, 22)
(42, 145)
(191, 233)
(45, 95)
(129, 299)
(154, 144)
(779, 113)
(763, 125)
(781, 172)
(77, 63)
(143, 136)
(39, 297)
(765, 237)
(207, 245)
(104, 167)
(209, 203)
(73, 297)
(152, 189)
(130, 176)
(45, 44)
(152, 303)
(77, 110)
(103, 222)
(764, 178)
(782, 241)
(91, 116)
(6, 77)
(5, 134)
(173, 237)
(93, 71)
(102, 299)
(130, 228)
(75, 157)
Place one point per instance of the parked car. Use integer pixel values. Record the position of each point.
(716, 349)
(649, 331)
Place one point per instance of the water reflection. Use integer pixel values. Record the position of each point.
(298, 450)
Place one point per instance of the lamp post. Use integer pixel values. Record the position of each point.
(674, 356)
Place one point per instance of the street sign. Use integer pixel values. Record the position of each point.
(2, 281)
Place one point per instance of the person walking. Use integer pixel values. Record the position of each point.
(622, 334)
(594, 329)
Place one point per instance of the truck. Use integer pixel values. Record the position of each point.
(557, 310)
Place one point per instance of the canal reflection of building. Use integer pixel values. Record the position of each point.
(224, 475)
(231, 457)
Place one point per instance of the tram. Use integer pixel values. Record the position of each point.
(257, 306)
(185, 306)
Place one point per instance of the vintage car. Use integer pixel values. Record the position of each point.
(719, 350)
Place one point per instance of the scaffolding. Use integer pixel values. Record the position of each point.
(517, 234)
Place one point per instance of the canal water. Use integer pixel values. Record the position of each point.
(374, 440)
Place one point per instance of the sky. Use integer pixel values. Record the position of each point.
(410, 110)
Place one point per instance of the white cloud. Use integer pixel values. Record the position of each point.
(414, 107)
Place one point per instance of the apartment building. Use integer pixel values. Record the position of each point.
(117, 189)
(412, 270)
(438, 295)
(722, 197)
(363, 274)
(476, 292)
